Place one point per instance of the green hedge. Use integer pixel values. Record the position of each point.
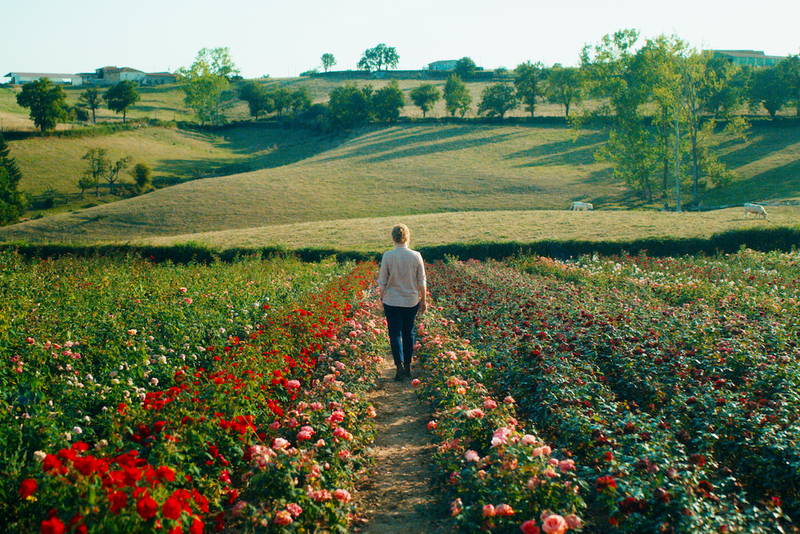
(783, 238)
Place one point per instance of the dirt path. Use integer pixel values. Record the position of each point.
(398, 496)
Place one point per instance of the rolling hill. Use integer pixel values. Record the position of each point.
(309, 185)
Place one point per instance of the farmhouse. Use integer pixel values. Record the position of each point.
(19, 78)
(752, 58)
(112, 75)
(443, 65)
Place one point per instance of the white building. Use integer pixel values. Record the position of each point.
(19, 78)
(443, 65)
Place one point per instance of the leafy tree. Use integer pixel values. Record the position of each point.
(299, 100)
(497, 100)
(112, 176)
(328, 61)
(97, 167)
(425, 96)
(564, 87)
(281, 99)
(769, 88)
(790, 72)
(527, 78)
(122, 96)
(456, 96)
(387, 102)
(47, 103)
(142, 177)
(378, 58)
(349, 105)
(12, 201)
(90, 99)
(219, 62)
(257, 97)
(205, 84)
(727, 91)
(465, 68)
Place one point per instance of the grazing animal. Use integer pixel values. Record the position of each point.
(756, 209)
(581, 206)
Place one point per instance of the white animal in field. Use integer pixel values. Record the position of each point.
(581, 206)
(756, 209)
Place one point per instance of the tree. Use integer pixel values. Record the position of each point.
(379, 57)
(205, 84)
(90, 99)
(387, 102)
(727, 93)
(497, 100)
(122, 96)
(456, 96)
(328, 61)
(790, 72)
(299, 100)
(114, 171)
(142, 177)
(425, 96)
(257, 97)
(281, 99)
(349, 105)
(219, 62)
(769, 88)
(97, 167)
(564, 87)
(12, 201)
(526, 80)
(465, 68)
(47, 103)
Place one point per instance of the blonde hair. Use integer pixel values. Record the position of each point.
(401, 233)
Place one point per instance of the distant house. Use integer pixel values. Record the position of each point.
(752, 58)
(159, 78)
(443, 65)
(114, 75)
(19, 78)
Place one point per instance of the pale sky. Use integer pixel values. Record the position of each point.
(283, 38)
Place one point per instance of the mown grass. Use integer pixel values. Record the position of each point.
(372, 234)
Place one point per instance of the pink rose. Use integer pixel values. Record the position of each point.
(566, 465)
(415, 382)
(489, 404)
(504, 510)
(574, 521)
(432, 425)
(488, 510)
(529, 439)
(555, 524)
(472, 456)
(341, 495)
(530, 527)
(293, 384)
(294, 509)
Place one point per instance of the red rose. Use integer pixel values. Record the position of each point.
(147, 507)
(27, 488)
(52, 526)
(118, 500)
(165, 473)
(171, 508)
(197, 527)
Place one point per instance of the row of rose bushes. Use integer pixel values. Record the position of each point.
(578, 358)
(731, 349)
(498, 474)
(263, 432)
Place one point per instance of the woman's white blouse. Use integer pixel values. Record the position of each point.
(402, 276)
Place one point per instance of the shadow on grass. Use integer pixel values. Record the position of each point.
(776, 183)
(262, 148)
(395, 139)
(437, 148)
(579, 151)
(766, 140)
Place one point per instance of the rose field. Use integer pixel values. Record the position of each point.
(601, 394)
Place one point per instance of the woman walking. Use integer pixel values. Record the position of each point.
(402, 287)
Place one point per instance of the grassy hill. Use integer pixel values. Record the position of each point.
(404, 170)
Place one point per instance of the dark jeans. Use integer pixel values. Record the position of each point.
(401, 332)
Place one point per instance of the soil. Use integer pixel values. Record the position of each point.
(398, 495)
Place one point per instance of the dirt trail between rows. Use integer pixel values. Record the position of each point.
(398, 496)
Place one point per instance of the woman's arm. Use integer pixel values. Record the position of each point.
(422, 286)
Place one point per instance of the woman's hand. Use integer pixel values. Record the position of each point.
(422, 307)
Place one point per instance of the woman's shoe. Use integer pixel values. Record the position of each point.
(407, 370)
(399, 375)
